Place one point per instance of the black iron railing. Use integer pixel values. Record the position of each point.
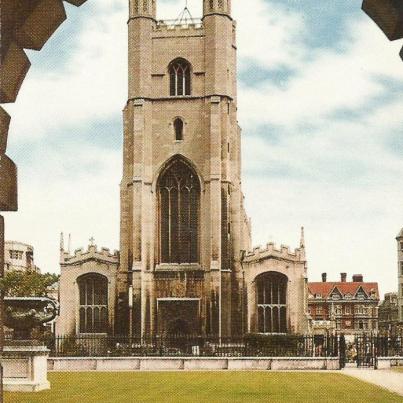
(361, 349)
(192, 346)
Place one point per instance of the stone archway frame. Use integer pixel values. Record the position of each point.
(388, 15)
(25, 24)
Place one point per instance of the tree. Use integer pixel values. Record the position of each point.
(27, 284)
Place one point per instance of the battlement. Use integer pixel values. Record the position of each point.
(92, 252)
(175, 25)
(271, 251)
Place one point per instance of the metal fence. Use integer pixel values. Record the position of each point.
(192, 346)
(389, 346)
(362, 349)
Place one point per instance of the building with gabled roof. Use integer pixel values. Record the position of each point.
(352, 306)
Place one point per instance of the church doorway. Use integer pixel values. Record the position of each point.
(178, 327)
(178, 317)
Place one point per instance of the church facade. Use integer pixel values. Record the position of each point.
(185, 263)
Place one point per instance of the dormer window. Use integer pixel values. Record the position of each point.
(335, 296)
(179, 76)
(178, 126)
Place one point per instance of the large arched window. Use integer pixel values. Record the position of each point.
(179, 77)
(179, 198)
(93, 310)
(271, 296)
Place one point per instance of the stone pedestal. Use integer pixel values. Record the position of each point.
(25, 368)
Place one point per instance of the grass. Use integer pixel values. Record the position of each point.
(200, 387)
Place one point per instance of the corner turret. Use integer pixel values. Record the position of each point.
(143, 8)
(222, 7)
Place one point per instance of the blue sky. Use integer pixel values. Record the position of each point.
(319, 104)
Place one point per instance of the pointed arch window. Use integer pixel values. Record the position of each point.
(178, 126)
(179, 200)
(272, 303)
(93, 311)
(179, 76)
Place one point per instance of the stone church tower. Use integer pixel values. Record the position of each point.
(183, 225)
(185, 264)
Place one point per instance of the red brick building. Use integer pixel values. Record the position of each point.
(350, 307)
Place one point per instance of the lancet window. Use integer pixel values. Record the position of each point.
(179, 75)
(178, 126)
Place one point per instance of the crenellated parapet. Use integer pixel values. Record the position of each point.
(271, 251)
(92, 253)
(181, 26)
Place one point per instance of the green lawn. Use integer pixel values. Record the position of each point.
(214, 387)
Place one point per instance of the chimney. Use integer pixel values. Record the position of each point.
(324, 277)
(343, 277)
(358, 278)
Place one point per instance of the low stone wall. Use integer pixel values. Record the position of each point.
(190, 364)
(389, 362)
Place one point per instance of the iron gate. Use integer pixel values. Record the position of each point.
(366, 354)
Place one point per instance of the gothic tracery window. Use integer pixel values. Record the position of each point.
(93, 290)
(272, 303)
(179, 76)
(179, 199)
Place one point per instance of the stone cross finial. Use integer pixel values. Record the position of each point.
(92, 240)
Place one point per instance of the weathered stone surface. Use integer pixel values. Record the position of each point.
(8, 181)
(4, 125)
(14, 67)
(25, 368)
(63, 364)
(40, 24)
(388, 15)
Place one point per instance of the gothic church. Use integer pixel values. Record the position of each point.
(185, 263)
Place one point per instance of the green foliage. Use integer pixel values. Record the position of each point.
(27, 284)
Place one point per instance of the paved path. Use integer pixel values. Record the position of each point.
(387, 379)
